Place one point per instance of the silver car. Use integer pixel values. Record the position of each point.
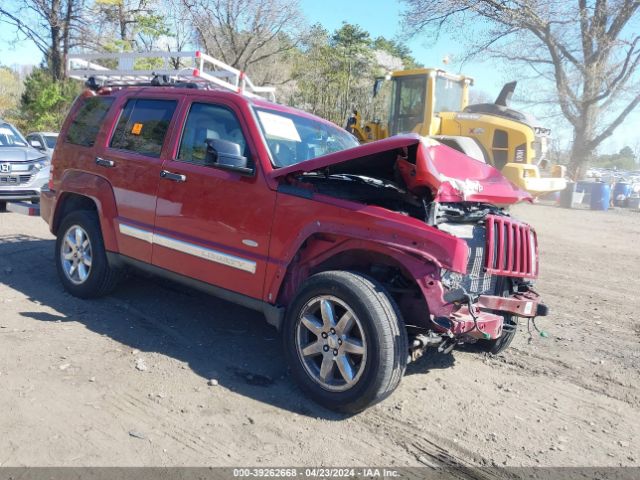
(24, 171)
(43, 141)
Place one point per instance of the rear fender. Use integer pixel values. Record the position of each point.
(97, 189)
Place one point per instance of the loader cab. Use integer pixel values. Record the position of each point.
(419, 95)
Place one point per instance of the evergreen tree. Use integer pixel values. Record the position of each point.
(45, 101)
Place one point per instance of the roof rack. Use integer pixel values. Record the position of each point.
(194, 68)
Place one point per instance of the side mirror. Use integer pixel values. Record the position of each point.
(228, 156)
(36, 144)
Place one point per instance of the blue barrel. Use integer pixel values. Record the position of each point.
(621, 191)
(600, 196)
(584, 186)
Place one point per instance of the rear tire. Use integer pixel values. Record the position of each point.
(3, 206)
(345, 341)
(81, 258)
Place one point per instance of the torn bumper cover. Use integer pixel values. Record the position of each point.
(479, 325)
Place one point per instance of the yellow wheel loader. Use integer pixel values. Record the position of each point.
(434, 103)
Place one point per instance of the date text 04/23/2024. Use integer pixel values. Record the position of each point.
(315, 472)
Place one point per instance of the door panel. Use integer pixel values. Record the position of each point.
(133, 160)
(212, 224)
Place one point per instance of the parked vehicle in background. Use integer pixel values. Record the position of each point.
(24, 171)
(363, 256)
(43, 141)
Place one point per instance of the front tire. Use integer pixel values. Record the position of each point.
(345, 341)
(81, 258)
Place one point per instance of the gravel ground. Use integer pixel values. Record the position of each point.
(158, 375)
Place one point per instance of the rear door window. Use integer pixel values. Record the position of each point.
(143, 126)
(85, 126)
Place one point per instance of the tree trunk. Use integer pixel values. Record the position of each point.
(580, 156)
(584, 132)
(55, 55)
(65, 36)
(582, 150)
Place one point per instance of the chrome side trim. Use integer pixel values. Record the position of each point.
(139, 233)
(189, 248)
(206, 253)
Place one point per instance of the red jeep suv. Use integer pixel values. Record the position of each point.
(363, 256)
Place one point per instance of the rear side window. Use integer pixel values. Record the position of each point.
(143, 125)
(85, 126)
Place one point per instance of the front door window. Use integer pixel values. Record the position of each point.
(208, 122)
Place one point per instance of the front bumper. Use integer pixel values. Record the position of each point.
(485, 318)
(29, 190)
(526, 304)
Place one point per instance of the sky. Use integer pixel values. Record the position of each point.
(380, 18)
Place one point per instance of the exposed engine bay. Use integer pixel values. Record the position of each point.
(369, 191)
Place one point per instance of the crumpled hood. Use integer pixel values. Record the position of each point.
(450, 175)
(19, 154)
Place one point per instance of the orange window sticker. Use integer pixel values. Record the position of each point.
(137, 128)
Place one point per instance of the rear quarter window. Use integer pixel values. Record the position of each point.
(87, 122)
(143, 126)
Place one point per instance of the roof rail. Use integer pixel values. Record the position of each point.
(178, 67)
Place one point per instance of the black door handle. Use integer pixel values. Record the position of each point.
(105, 163)
(176, 177)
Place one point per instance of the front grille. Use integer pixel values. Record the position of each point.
(14, 179)
(478, 280)
(512, 248)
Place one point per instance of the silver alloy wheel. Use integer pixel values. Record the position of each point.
(331, 343)
(76, 254)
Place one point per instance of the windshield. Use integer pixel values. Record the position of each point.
(10, 137)
(293, 139)
(448, 95)
(50, 140)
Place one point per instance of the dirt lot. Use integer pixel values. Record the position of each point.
(74, 389)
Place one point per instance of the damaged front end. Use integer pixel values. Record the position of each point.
(485, 302)
(445, 190)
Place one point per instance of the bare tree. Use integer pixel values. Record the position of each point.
(49, 24)
(243, 33)
(178, 18)
(136, 25)
(589, 51)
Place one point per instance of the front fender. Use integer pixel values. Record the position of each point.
(324, 247)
